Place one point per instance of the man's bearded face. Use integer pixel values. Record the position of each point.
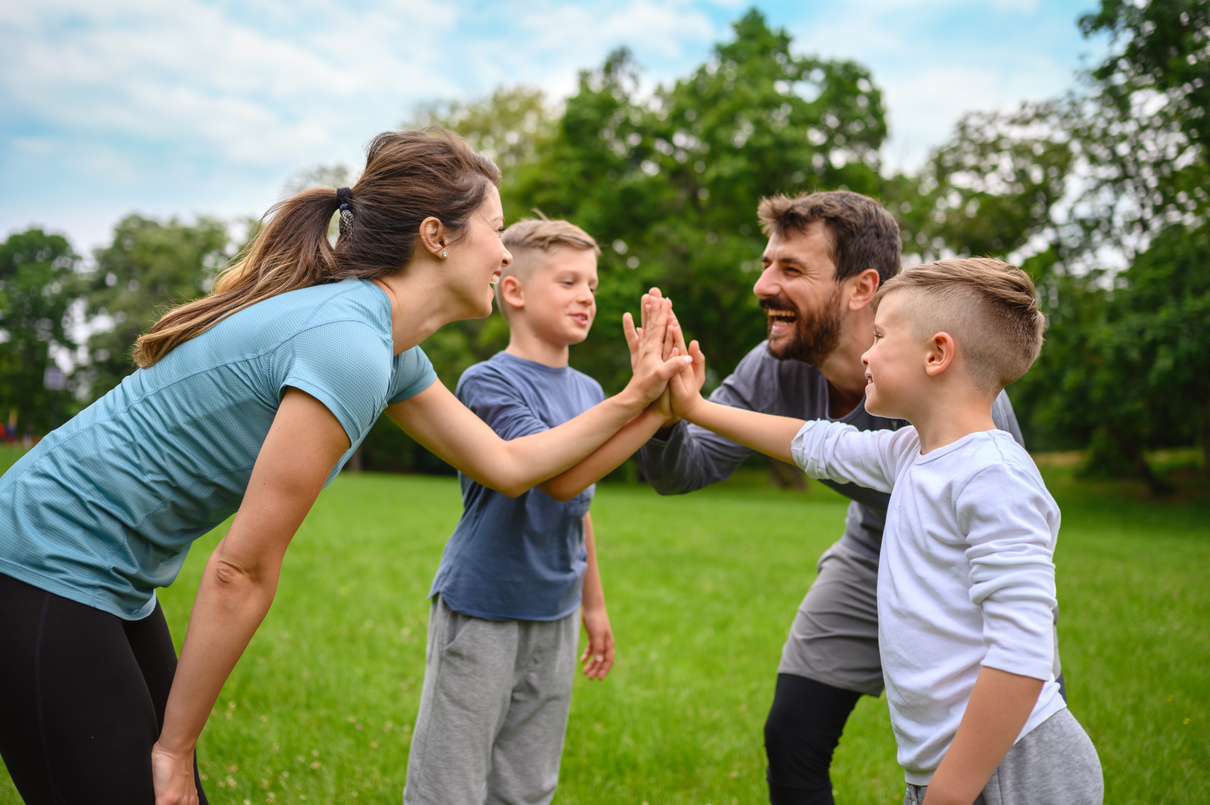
(815, 332)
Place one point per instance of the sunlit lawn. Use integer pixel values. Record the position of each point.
(701, 590)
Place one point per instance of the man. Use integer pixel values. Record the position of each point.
(826, 257)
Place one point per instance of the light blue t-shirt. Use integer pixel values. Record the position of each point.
(518, 558)
(103, 510)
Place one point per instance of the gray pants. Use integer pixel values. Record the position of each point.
(1055, 764)
(493, 710)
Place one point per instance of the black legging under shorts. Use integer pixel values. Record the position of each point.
(82, 697)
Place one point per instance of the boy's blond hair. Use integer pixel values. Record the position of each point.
(988, 306)
(530, 240)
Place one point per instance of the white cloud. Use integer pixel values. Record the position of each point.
(212, 105)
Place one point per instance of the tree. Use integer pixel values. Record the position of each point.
(669, 184)
(1143, 127)
(150, 267)
(991, 190)
(38, 282)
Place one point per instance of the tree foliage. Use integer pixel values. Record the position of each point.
(990, 190)
(669, 184)
(150, 267)
(1142, 125)
(38, 282)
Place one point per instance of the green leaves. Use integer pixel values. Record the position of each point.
(150, 267)
(37, 283)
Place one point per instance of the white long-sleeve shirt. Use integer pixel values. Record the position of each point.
(965, 579)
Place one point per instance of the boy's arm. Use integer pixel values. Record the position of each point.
(765, 433)
(998, 709)
(633, 435)
(608, 457)
(598, 653)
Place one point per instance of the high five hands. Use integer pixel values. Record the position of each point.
(683, 391)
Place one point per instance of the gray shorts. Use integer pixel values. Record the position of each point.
(493, 710)
(1055, 764)
(834, 637)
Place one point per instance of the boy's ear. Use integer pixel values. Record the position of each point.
(512, 292)
(862, 288)
(940, 354)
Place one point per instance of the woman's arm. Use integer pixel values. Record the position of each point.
(441, 423)
(303, 445)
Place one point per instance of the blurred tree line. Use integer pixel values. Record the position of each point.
(1101, 195)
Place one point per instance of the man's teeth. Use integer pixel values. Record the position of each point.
(780, 315)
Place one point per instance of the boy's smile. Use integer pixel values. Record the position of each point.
(895, 362)
(558, 305)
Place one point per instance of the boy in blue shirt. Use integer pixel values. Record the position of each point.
(503, 628)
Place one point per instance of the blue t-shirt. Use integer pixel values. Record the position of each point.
(518, 558)
(103, 510)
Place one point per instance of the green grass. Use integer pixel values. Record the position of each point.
(701, 591)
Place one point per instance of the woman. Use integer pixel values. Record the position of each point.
(248, 401)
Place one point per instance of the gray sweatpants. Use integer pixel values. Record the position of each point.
(1055, 764)
(493, 710)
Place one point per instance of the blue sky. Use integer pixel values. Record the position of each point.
(212, 106)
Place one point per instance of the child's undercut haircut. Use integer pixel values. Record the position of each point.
(988, 306)
(531, 239)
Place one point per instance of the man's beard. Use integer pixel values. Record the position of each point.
(816, 334)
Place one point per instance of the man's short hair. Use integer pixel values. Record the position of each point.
(988, 306)
(531, 239)
(861, 233)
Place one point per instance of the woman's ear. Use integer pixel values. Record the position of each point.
(941, 352)
(433, 236)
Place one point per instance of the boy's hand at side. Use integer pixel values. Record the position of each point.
(597, 658)
(997, 711)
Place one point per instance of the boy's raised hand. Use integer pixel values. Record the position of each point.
(651, 367)
(686, 387)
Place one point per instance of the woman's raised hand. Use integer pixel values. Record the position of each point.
(653, 359)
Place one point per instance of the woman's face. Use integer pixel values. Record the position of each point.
(477, 258)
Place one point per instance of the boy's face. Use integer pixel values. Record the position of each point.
(895, 364)
(560, 297)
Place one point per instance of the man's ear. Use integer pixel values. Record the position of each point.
(433, 236)
(512, 291)
(862, 288)
(942, 349)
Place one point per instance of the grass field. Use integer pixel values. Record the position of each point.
(701, 590)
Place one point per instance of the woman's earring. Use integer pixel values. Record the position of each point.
(443, 255)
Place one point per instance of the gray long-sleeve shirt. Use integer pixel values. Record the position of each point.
(693, 457)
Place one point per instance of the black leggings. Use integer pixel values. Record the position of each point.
(82, 697)
(801, 733)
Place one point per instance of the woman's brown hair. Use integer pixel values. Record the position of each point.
(409, 176)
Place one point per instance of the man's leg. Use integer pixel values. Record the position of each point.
(829, 660)
(801, 733)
